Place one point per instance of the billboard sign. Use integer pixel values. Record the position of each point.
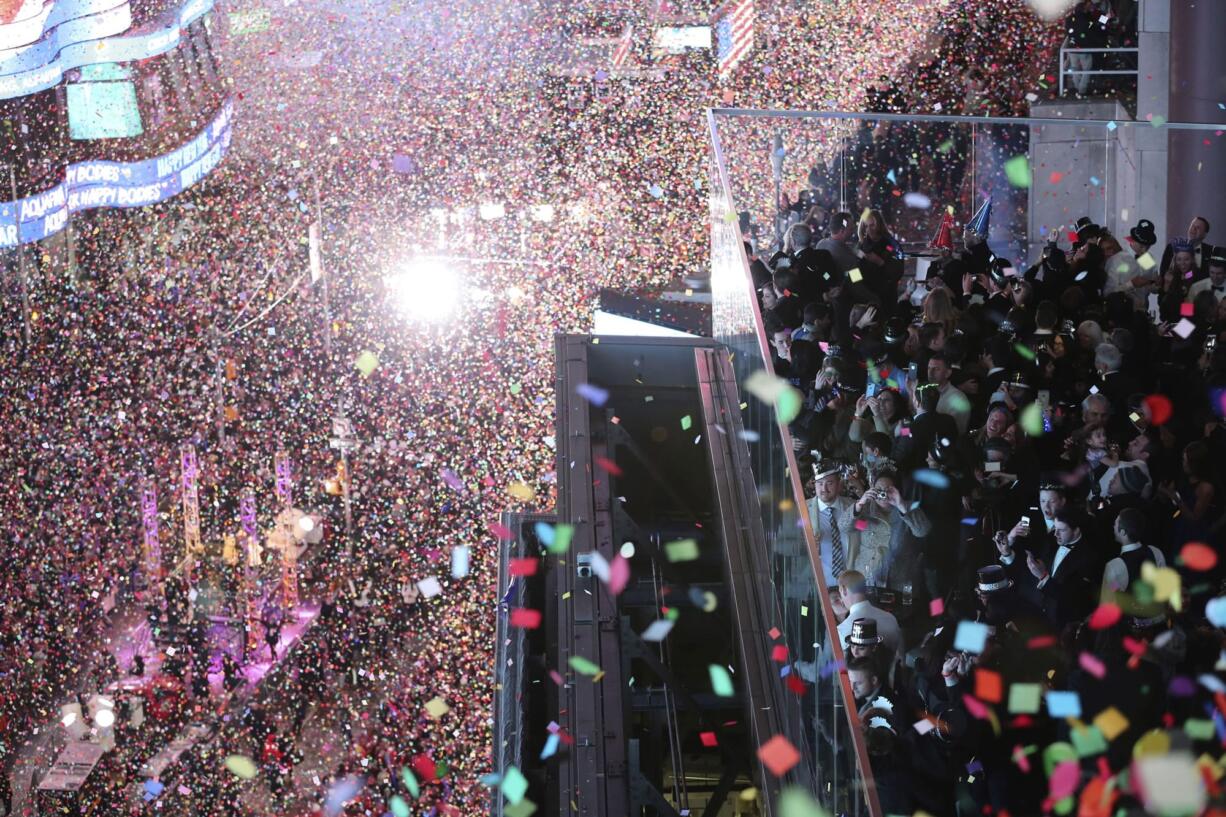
(76, 33)
(94, 184)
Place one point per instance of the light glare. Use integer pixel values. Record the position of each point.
(424, 290)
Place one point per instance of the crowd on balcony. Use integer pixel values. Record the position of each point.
(1030, 454)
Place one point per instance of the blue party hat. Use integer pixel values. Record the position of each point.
(979, 222)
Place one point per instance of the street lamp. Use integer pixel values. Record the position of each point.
(778, 153)
(344, 440)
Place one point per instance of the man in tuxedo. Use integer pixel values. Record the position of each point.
(833, 518)
(1202, 251)
(1067, 580)
(1216, 282)
(1115, 385)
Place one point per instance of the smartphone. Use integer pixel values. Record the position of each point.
(991, 467)
(913, 372)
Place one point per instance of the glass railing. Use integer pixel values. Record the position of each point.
(1039, 175)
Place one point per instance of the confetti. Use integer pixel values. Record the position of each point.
(721, 681)
(778, 755)
(241, 766)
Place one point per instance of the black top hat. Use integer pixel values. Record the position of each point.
(1019, 379)
(864, 633)
(1144, 233)
(1086, 228)
(895, 331)
(996, 270)
(992, 579)
(1218, 258)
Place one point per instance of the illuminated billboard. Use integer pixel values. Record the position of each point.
(102, 105)
(94, 184)
(39, 41)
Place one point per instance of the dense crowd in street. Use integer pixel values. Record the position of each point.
(193, 321)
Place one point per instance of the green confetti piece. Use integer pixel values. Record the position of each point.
(796, 802)
(1158, 120)
(1023, 351)
(1198, 728)
(410, 782)
(241, 766)
(1032, 420)
(398, 806)
(686, 422)
(1088, 741)
(562, 534)
(514, 785)
(788, 404)
(583, 666)
(1017, 171)
(516, 388)
(683, 550)
(721, 681)
(524, 808)
(366, 363)
(1024, 699)
(946, 146)
(959, 402)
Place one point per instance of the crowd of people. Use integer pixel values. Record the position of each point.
(1031, 455)
(190, 321)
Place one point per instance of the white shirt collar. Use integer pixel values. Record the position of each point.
(1130, 547)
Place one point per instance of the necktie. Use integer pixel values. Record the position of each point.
(837, 564)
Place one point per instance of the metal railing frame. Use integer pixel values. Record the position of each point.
(1064, 50)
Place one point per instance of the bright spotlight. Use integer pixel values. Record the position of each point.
(542, 212)
(492, 210)
(104, 718)
(306, 524)
(424, 289)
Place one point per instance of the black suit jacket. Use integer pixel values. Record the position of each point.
(1071, 593)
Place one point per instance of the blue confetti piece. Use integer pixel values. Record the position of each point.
(1112, 125)
(890, 177)
(1063, 704)
(551, 747)
(931, 478)
(345, 790)
(545, 532)
(972, 636)
(1094, 180)
(656, 191)
(829, 668)
(593, 394)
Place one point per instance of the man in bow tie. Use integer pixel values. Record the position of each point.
(1216, 282)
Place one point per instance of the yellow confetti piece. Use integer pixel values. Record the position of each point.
(855, 275)
(366, 363)
(437, 708)
(521, 491)
(1146, 261)
(1166, 584)
(241, 766)
(1111, 722)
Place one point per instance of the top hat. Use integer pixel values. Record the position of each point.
(1144, 233)
(864, 633)
(993, 579)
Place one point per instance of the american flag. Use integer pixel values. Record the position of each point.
(623, 47)
(733, 24)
